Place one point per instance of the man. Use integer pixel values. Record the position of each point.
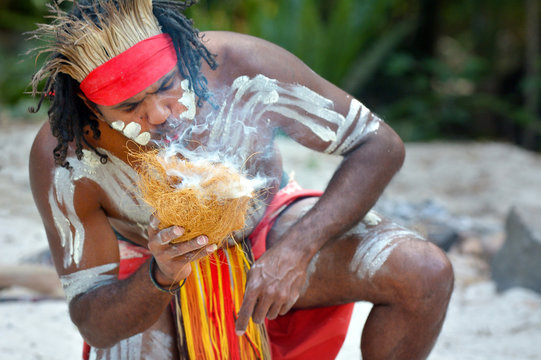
(126, 75)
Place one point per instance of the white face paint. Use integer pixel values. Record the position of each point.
(85, 280)
(143, 138)
(377, 245)
(118, 125)
(116, 178)
(132, 131)
(188, 100)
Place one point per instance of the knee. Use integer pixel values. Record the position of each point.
(425, 277)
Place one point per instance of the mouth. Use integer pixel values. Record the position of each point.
(170, 131)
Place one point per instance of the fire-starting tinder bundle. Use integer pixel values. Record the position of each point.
(204, 198)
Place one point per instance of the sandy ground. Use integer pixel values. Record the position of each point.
(476, 182)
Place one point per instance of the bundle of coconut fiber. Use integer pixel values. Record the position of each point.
(211, 199)
(203, 197)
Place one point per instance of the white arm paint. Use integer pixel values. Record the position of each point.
(84, 280)
(116, 178)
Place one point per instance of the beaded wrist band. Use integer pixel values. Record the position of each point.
(171, 290)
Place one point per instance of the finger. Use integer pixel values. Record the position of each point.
(154, 222)
(198, 253)
(261, 310)
(170, 234)
(273, 311)
(286, 307)
(245, 312)
(185, 247)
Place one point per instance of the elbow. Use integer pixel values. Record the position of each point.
(96, 341)
(89, 329)
(395, 150)
(386, 145)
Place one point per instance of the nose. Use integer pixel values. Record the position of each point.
(163, 108)
(158, 111)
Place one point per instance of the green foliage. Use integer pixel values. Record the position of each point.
(432, 69)
(472, 84)
(16, 66)
(329, 36)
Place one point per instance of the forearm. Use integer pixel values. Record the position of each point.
(353, 190)
(118, 310)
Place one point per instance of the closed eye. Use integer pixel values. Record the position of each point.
(130, 106)
(167, 85)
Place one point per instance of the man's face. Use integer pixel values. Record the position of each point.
(155, 113)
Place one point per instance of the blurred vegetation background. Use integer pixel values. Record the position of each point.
(433, 69)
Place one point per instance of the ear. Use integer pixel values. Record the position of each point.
(91, 106)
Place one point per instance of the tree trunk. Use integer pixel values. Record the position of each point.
(532, 73)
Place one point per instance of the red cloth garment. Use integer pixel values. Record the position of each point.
(130, 72)
(301, 334)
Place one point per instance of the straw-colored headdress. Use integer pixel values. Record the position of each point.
(85, 43)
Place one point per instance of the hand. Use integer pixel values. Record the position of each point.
(174, 260)
(273, 286)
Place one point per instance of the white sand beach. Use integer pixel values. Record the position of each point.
(477, 183)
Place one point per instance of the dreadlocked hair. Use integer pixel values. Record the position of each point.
(188, 46)
(92, 33)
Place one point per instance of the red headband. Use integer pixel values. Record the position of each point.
(130, 72)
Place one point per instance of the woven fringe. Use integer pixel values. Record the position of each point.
(210, 301)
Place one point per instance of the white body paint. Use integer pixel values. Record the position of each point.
(152, 344)
(82, 281)
(312, 266)
(116, 178)
(371, 219)
(255, 97)
(377, 245)
(128, 349)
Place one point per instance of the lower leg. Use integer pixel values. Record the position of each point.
(394, 333)
(407, 324)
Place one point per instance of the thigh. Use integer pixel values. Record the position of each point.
(369, 262)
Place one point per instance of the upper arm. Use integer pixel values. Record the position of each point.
(77, 229)
(310, 109)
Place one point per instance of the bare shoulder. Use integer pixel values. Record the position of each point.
(241, 54)
(42, 170)
(41, 162)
